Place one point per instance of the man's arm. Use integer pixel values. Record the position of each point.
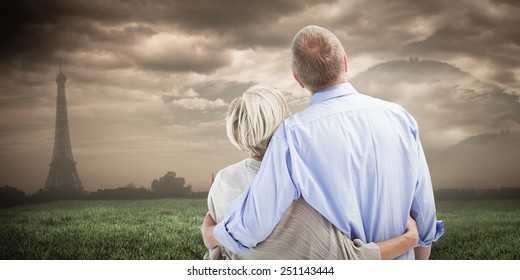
(395, 247)
(253, 215)
(423, 207)
(389, 249)
(422, 253)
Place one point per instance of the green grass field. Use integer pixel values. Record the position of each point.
(486, 230)
(169, 229)
(129, 229)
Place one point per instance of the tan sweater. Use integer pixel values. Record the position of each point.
(301, 234)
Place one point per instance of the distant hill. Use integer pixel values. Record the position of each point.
(412, 70)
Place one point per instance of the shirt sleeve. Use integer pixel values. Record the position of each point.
(423, 204)
(252, 216)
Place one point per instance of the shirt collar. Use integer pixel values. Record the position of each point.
(338, 90)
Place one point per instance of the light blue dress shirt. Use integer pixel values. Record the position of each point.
(356, 159)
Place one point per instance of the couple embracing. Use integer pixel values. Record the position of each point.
(346, 178)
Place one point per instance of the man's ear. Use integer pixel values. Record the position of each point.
(345, 60)
(298, 80)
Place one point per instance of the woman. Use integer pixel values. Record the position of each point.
(302, 232)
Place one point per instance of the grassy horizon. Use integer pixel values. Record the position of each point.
(169, 229)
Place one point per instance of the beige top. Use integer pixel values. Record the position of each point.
(301, 234)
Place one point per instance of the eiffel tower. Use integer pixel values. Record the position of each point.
(63, 171)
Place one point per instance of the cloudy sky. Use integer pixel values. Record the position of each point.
(149, 82)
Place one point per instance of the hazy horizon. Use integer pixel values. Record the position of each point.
(148, 84)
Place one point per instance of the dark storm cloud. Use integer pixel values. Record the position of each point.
(245, 24)
(487, 34)
(382, 26)
(235, 14)
(35, 32)
(401, 22)
(482, 36)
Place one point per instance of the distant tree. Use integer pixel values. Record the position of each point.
(130, 186)
(11, 196)
(129, 191)
(170, 185)
(58, 193)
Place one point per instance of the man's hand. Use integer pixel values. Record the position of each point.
(411, 231)
(206, 229)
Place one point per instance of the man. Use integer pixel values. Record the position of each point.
(356, 159)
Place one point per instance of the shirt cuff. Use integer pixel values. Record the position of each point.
(221, 234)
(439, 231)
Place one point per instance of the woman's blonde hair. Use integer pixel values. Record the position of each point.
(254, 117)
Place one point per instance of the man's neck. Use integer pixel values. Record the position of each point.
(335, 83)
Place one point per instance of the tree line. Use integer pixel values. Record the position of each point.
(168, 186)
(477, 194)
(172, 186)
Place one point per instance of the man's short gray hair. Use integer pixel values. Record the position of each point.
(254, 117)
(317, 58)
